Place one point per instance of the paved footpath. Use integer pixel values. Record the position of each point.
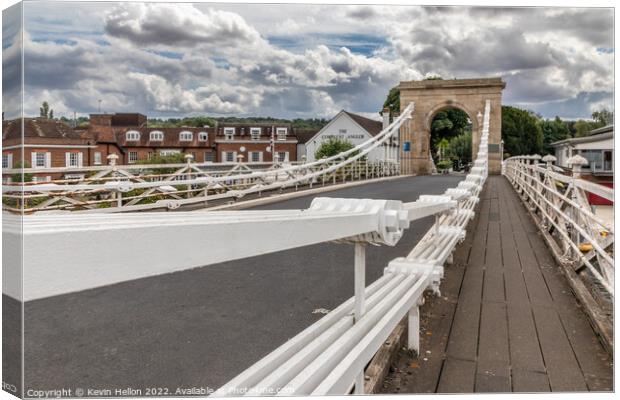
(506, 319)
(201, 327)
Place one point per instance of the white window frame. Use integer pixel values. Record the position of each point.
(286, 156)
(211, 156)
(97, 158)
(77, 177)
(281, 133)
(7, 160)
(252, 153)
(254, 135)
(186, 136)
(47, 159)
(47, 178)
(129, 157)
(225, 156)
(156, 136)
(203, 136)
(168, 152)
(74, 159)
(229, 133)
(132, 136)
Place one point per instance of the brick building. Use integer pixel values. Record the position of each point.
(51, 143)
(129, 136)
(46, 144)
(254, 142)
(132, 140)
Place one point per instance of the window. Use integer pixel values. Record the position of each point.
(73, 159)
(157, 136)
(149, 155)
(283, 156)
(281, 133)
(42, 178)
(77, 177)
(229, 133)
(133, 157)
(41, 159)
(342, 131)
(168, 152)
(97, 158)
(203, 136)
(186, 136)
(229, 156)
(132, 135)
(608, 163)
(255, 133)
(209, 156)
(256, 156)
(7, 160)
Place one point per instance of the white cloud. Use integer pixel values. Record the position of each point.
(176, 59)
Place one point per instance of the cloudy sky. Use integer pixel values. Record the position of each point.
(299, 60)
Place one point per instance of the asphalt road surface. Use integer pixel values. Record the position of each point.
(201, 327)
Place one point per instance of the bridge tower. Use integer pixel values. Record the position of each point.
(432, 96)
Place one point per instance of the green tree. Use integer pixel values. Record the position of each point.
(332, 147)
(392, 101)
(553, 130)
(583, 127)
(17, 178)
(521, 132)
(459, 148)
(603, 117)
(447, 124)
(45, 111)
(176, 158)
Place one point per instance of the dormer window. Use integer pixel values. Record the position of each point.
(132, 135)
(281, 133)
(157, 136)
(203, 136)
(186, 136)
(255, 133)
(229, 133)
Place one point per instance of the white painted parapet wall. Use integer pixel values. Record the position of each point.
(67, 253)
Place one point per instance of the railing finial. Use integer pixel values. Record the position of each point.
(549, 160)
(575, 162)
(112, 159)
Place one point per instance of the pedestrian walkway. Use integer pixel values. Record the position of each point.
(506, 319)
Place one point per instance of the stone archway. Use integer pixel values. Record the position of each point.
(432, 96)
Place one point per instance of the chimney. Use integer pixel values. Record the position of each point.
(386, 117)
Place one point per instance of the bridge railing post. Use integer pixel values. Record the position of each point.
(575, 162)
(360, 299)
(188, 159)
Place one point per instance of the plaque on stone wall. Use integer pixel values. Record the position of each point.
(493, 148)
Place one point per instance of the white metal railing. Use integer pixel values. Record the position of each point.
(132, 188)
(328, 357)
(120, 189)
(582, 238)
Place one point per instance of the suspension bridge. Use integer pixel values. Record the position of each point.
(487, 278)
